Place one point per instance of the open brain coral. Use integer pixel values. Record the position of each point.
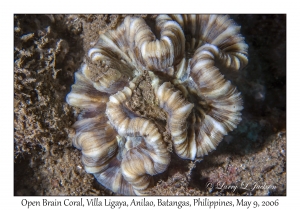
(154, 84)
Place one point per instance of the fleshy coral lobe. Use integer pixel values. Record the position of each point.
(148, 87)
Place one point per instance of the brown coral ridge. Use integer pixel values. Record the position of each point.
(125, 147)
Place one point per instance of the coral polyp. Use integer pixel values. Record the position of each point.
(152, 84)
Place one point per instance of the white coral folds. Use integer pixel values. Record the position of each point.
(123, 143)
